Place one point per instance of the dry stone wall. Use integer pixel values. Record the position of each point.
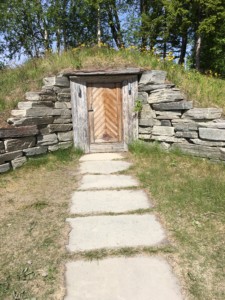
(41, 123)
(167, 117)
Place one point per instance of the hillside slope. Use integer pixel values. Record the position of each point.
(205, 91)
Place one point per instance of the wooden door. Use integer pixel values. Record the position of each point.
(105, 112)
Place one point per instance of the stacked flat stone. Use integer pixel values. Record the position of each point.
(167, 117)
(41, 123)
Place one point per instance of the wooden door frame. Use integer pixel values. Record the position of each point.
(78, 86)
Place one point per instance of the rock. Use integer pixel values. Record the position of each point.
(18, 162)
(64, 97)
(181, 105)
(185, 125)
(203, 113)
(147, 112)
(48, 139)
(144, 136)
(35, 151)
(143, 97)
(153, 77)
(63, 145)
(144, 130)
(163, 138)
(167, 115)
(41, 112)
(154, 87)
(63, 105)
(60, 127)
(6, 157)
(4, 168)
(187, 134)
(149, 122)
(2, 147)
(18, 132)
(66, 113)
(222, 152)
(62, 120)
(40, 96)
(31, 104)
(198, 150)
(30, 121)
(166, 123)
(215, 124)
(65, 136)
(165, 95)
(61, 81)
(19, 144)
(43, 129)
(212, 134)
(208, 143)
(163, 130)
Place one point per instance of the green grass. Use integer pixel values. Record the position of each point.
(204, 90)
(189, 197)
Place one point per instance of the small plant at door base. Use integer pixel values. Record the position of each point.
(138, 106)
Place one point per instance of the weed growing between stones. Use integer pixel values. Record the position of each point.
(188, 194)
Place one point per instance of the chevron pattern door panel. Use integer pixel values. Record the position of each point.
(105, 112)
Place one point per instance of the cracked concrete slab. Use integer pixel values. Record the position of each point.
(89, 202)
(93, 182)
(101, 156)
(136, 278)
(90, 233)
(103, 167)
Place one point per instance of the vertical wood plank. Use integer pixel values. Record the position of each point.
(80, 115)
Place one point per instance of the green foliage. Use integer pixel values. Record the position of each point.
(138, 106)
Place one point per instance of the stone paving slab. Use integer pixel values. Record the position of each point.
(103, 167)
(88, 202)
(136, 278)
(90, 233)
(93, 182)
(101, 156)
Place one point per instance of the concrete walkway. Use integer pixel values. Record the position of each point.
(112, 213)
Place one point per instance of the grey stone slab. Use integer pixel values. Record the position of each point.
(101, 156)
(166, 123)
(203, 113)
(65, 136)
(4, 167)
(143, 97)
(48, 139)
(30, 121)
(111, 232)
(147, 112)
(60, 127)
(148, 121)
(208, 143)
(62, 145)
(88, 202)
(103, 167)
(134, 278)
(10, 156)
(63, 105)
(61, 81)
(19, 144)
(2, 147)
(90, 182)
(154, 87)
(167, 115)
(212, 134)
(144, 136)
(187, 134)
(18, 162)
(35, 151)
(32, 104)
(165, 95)
(180, 105)
(144, 130)
(163, 130)
(153, 77)
(62, 120)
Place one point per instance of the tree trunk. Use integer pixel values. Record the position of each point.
(198, 52)
(58, 41)
(143, 10)
(99, 27)
(183, 49)
(114, 24)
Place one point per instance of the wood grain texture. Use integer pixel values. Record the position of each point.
(80, 116)
(105, 112)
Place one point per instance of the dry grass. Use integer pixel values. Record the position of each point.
(189, 197)
(33, 208)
